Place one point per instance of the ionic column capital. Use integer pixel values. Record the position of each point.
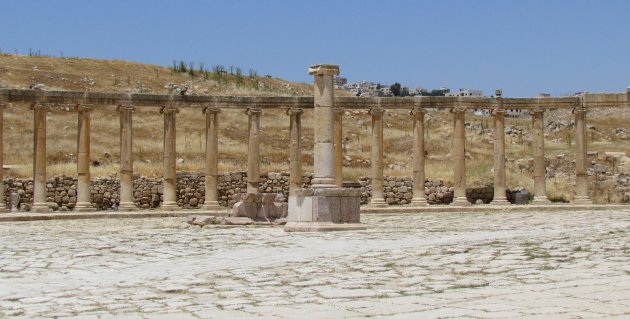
(169, 110)
(580, 109)
(323, 69)
(498, 112)
(417, 112)
(537, 110)
(253, 111)
(39, 106)
(295, 111)
(338, 110)
(126, 108)
(211, 110)
(84, 107)
(458, 109)
(377, 111)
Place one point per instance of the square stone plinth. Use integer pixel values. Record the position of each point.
(325, 209)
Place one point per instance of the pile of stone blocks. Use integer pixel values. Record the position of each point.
(260, 206)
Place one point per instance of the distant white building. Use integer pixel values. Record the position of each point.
(464, 92)
(340, 82)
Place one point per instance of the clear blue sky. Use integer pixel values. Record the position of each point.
(523, 47)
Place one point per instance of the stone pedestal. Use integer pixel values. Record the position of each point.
(325, 209)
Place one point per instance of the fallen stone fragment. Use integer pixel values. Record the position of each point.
(201, 220)
(240, 221)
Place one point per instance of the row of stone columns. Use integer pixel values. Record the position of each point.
(326, 137)
(458, 156)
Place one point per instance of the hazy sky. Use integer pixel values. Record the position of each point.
(523, 47)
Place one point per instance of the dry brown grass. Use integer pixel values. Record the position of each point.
(148, 131)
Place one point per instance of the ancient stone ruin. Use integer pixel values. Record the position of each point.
(325, 204)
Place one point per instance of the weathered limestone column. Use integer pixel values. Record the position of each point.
(498, 114)
(253, 151)
(84, 202)
(39, 162)
(126, 158)
(295, 149)
(324, 96)
(419, 198)
(581, 178)
(170, 161)
(378, 198)
(3, 206)
(540, 187)
(212, 162)
(338, 126)
(459, 156)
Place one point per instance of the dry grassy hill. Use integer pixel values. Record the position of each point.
(122, 76)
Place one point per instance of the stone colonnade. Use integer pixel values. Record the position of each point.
(328, 148)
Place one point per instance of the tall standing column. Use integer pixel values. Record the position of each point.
(170, 162)
(84, 203)
(3, 206)
(212, 162)
(253, 151)
(459, 156)
(324, 96)
(581, 178)
(39, 163)
(419, 198)
(538, 141)
(378, 198)
(126, 158)
(498, 115)
(295, 149)
(338, 147)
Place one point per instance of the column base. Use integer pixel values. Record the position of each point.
(378, 203)
(582, 200)
(460, 201)
(419, 201)
(169, 206)
(84, 207)
(501, 201)
(41, 208)
(541, 200)
(323, 182)
(212, 205)
(127, 207)
(322, 226)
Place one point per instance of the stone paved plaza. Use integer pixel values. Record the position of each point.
(434, 265)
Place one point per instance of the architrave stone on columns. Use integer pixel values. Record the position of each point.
(419, 197)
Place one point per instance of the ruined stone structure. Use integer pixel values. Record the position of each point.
(328, 140)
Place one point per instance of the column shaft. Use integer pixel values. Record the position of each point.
(459, 156)
(338, 147)
(212, 162)
(378, 198)
(500, 197)
(419, 198)
(39, 163)
(3, 206)
(253, 151)
(170, 161)
(126, 158)
(83, 160)
(540, 187)
(581, 178)
(323, 152)
(295, 149)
